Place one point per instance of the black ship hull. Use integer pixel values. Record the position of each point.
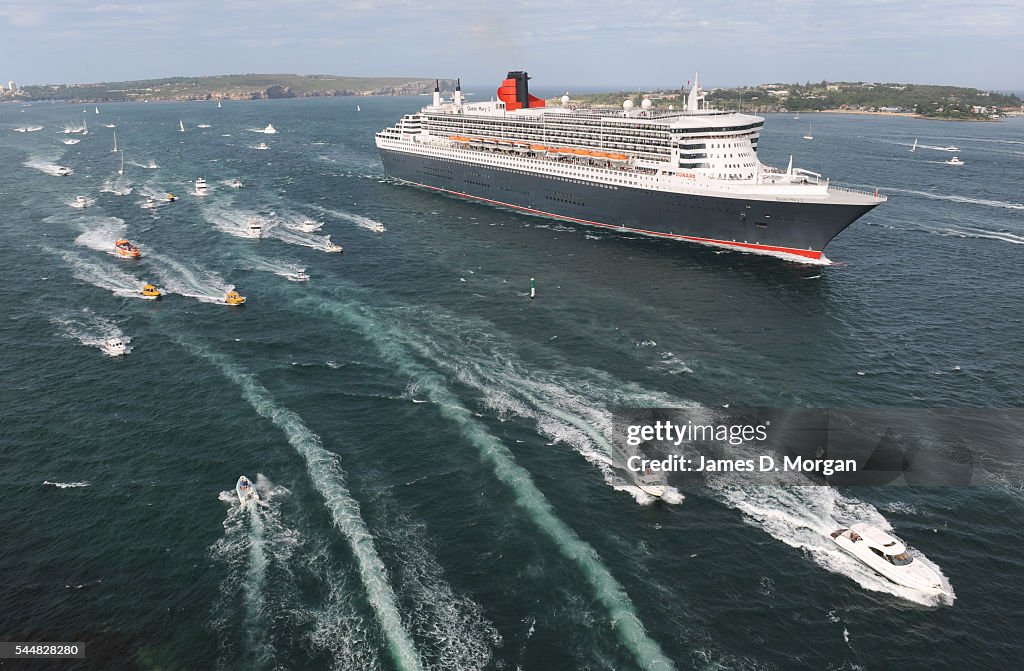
(799, 229)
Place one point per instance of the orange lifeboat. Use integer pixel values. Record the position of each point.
(126, 249)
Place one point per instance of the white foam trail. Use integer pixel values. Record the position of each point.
(236, 221)
(104, 276)
(100, 233)
(89, 329)
(358, 220)
(254, 587)
(66, 485)
(329, 480)
(285, 269)
(44, 165)
(149, 165)
(609, 592)
(954, 198)
(118, 186)
(971, 232)
(195, 282)
(293, 237)
(89, 202)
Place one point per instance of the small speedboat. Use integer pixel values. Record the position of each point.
(309, 226)
(254, 229)
(170, 198)
(150, 292)
(148, 204)
(246, 490)
(297, 276)
(263, 145)
(954, 161)
(201, 187)
(888, 556)
(234, 298)
(331, 247)
(62, 171)
(377, 227)
(203, 125)
(951, 148)
(124, 248)
(80, 202)
(71, 141)
(237, 184)
(114, 347)
(270, 129)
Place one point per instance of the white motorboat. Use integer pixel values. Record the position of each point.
(201, 187)
(62, 171)
(270, 130)
(254, 229)
(236, 184)
(80, 202)
(888, 556)
(148, 204)
(203, 125)
(263, 145)
(309, 226)
(297, 276)
(954, 161)
(331, 247)
(951, 148)
(114, 347)
(246, 491)
(377, 227)
(71, 141)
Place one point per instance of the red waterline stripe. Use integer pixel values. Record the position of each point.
(806, 253)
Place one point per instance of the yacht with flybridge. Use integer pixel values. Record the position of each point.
(691, 174)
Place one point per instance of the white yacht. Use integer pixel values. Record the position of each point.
(80, 202)
(245, 490)
(954, 161)
(263, 145)
(71, 141)
(114, 347)
(887, 556)
(950, 148)
(297, 276)
(309, 226)
(62, 171)
(377, 227)
(331, 247)
(236, 184)
(201, 188)
(203, 125)
(254, 229)
(270, 130)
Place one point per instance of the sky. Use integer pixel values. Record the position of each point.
(572, 44)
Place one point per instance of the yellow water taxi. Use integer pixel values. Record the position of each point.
(234, 298)
(150, 292)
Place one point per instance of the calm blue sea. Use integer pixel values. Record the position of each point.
(431, 445)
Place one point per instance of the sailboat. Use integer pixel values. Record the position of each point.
(85, 127)
(218, 103)
(121, 171)
(97, 110)
(797, 117)
(181, 125)
(358, 109)
(115, 141)
(808, 136)
(914, 148)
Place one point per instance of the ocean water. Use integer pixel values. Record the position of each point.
(431, 445)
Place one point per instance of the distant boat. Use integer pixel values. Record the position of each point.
(797, 117)
(218, 103)
(270, 129)
(358, 109)
(181, 125)
(808, 136)
(954, 161)
(80, 202)
(85, 127)
(201, 187)
(254, 229)
(914, 148)
(121, 171)
(71, 141)
(263, 145)
(951, 148)
(114, 347)
(203, 125)
(237, 184)
(97, 110)
(115, 141)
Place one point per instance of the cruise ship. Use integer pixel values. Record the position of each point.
(690, 174)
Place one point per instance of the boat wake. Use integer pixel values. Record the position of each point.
(391, 345)
(149, 165)
(118, 186)
(100, 233)
(45, 165)
(359, 220)
(103, 276)
(285, 269)
(329, 480)
(66, 485)
(954, 198)
(195, 282)
(293, 237)
(972, 232)
(236, 222)
(256, 549)
(89, 329)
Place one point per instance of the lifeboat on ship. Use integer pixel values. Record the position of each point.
(126, 249)
(234, 298)
(150, 292)
(539, 149)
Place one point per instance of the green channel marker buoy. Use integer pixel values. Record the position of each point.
(533, 288)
